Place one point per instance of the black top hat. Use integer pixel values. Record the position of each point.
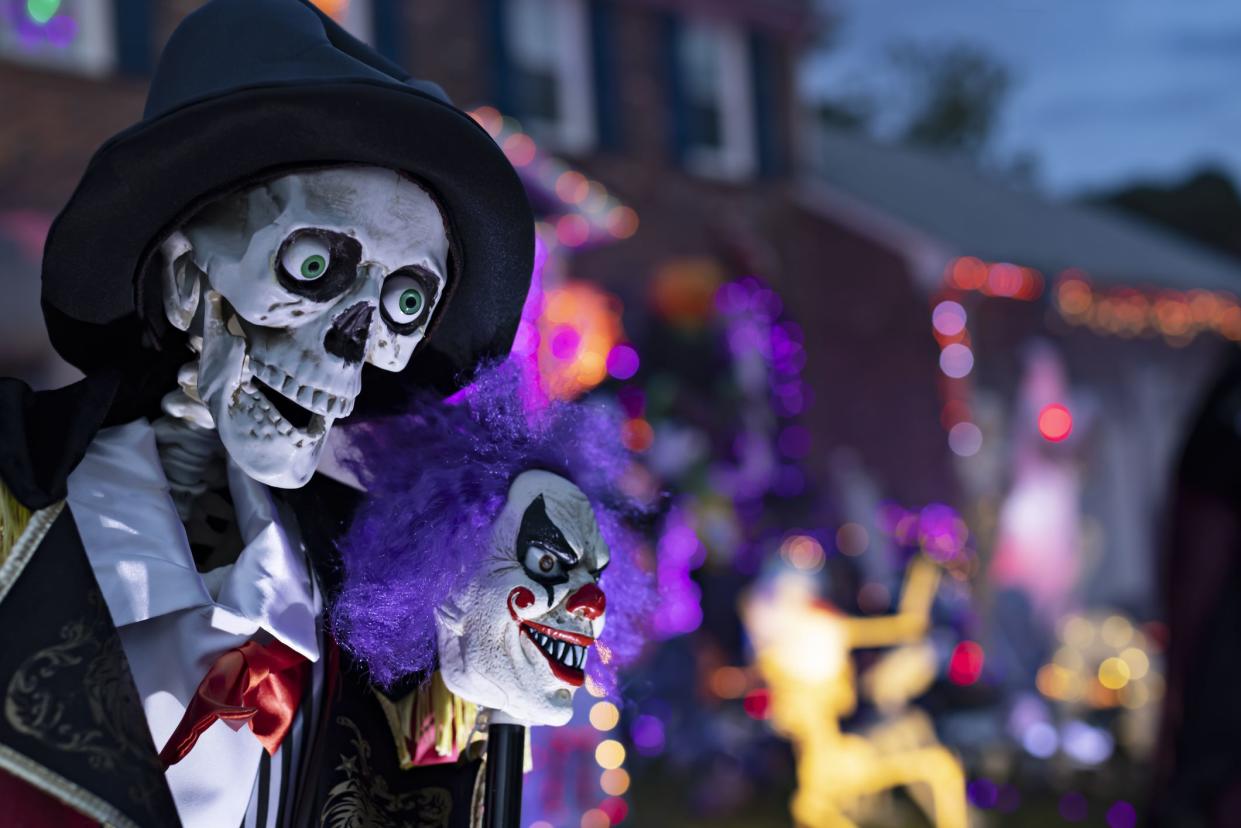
(244, 90)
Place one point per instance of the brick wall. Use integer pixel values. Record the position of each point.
(871, 359)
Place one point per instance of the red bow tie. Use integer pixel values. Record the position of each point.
(258, 683)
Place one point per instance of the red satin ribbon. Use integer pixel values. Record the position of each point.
(258, 683)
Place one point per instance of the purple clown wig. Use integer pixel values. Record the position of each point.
(437, 480)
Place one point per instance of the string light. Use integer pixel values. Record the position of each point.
(1055, 423)
(604, 715)
(588, 212)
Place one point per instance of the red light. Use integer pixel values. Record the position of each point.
(965, 665)
(1055, 423)
(757, 703)
(615, 808)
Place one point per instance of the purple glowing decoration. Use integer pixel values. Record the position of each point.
(41, 23)
(680, 599)
(565, 342)
(1121, 815)
(982, 793)
(794, 442)
(622, 362)
(648, 735)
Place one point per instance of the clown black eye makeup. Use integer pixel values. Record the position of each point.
(318, 264)
(542, 549)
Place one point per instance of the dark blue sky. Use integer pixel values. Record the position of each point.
(1103, 90)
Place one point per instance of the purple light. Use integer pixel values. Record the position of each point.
(948, 318)
(622, 362)
(939, 532)
(565, 342)
(1121, 815)
(982, 792)
(648, 735)
(956, 361)
(680, 599)
(526, 342)
(1074, 807)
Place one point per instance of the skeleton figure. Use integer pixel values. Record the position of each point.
(510, 515)
(287, 289)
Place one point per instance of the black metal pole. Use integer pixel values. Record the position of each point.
(506, 754)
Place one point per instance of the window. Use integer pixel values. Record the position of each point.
(717, 100)
(78, 35)
(549, 72)
(355, 16)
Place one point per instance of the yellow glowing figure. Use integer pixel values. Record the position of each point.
(803, 649)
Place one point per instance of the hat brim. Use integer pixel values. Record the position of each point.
(146, 179)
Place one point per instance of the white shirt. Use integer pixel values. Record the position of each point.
(175, 622)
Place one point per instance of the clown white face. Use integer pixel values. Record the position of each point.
(287, 289)
(517, 637)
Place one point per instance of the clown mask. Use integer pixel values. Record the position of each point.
(517, 636)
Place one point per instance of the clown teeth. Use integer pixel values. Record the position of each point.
(570, 655)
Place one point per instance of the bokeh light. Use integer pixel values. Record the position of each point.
(948, 318)
(729, 682)
(1055, 423)
(595, 818)
(803, 552)
(956, 360)
(610, 754)
(966, 663)
(614, 782)
(604, 715)
(622, 362)
(965, 439)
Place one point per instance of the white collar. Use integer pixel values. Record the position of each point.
(142, 560)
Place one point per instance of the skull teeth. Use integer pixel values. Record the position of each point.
(312, 399)
(570, 655)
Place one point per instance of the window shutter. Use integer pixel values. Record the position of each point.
(670, 41)
(388, 24)
(134, 54)
(767, 115)
(501, 85)
(603, 59)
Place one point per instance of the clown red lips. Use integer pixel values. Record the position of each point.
(518, 636)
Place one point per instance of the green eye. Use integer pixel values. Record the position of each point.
(313, 266)
(411, 301)
(306, 259)
(404, 299)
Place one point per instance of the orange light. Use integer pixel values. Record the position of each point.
(622, 222)
(728, 683)
(335, 9)
(614, 782)
(595, 818)
(488, 117)
(637, 435)
(578, 327)
(968, 273)
(1055, 423)
(572, 187)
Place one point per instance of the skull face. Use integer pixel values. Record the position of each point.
(288, 288)
(517, 637)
